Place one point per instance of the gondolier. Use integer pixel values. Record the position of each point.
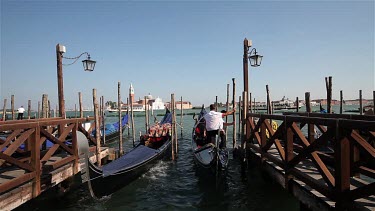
(214, 121)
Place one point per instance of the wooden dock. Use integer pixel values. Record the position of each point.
(28, 168)
(332, 171)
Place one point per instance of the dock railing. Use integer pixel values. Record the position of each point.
(325, 151)
(22, 151)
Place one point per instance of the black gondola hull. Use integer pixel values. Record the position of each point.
(106, 185)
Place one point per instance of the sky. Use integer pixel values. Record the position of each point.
(190, 48)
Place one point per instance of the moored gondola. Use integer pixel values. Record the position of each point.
(113, 176)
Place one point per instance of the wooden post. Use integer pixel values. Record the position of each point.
(250, 103)
(373, 102)
(75, 110)
(29, 109)
(239, 115)
(39, 110)
(5, 110)
(227, 108)
(132, 117)
(146, 116)
(49, 109)
(80, 105)
(60, 83)
(234, 114)
(103, 122)
(12, 107)
(97, 127)
(269, 106)
(329, 93)
(310, 129)
(173, 128)
(44, 106)
(244, 119)
(120, 147)
(297, 103)
(182, 114)
(360, 103)
(216, 105)
(35, 160)
(127, 112)
(255, 105)
(341, 99)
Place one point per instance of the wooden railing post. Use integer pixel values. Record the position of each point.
(234, 114)
(310, 127)
(289, 136)
(342, 167)
(35, 160)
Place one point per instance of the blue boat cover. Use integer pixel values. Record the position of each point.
(112, 127)
(136, 156)
(167, 118)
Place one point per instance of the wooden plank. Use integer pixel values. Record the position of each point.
(361, 192)
(59, 163)
(56, 141)
(315, 158)
(51, 151)
(9, 138)
(16, 182)
(15, 198)
(35, 161)
(366, 171)
(6, 158)
(362, 143)
(17, 143)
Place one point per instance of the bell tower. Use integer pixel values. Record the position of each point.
(131, 92)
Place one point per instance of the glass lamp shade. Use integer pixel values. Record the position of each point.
(255, 60)
(88, 64)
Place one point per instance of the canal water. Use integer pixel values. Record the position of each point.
(175, 185)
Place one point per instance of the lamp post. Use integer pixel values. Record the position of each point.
(255, 61)
(88, 65)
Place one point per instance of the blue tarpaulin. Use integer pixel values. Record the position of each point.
(136, 156)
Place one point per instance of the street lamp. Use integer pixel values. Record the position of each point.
(255, 61)
(88, 65)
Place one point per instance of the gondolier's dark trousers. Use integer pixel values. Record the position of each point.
(211, 136)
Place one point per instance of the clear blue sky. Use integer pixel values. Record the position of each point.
(189, 48)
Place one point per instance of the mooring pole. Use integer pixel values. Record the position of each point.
(173, 128)
(240, 107)
(132, 116)
(127, 112)
(146, 116)
(28, 109)
(227, 108)
(12, 107)
(216, 105)
(244, 119)
(297, 104)
(310, 129)
(329, 93)
(360, 103)
(234, 113)
(103, 120)
(97, 127)
(341, 103)
(80, 105)
(4, 110)
(120, 147)
(39, 110)
(182, 114)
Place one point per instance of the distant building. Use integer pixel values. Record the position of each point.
(185, 105)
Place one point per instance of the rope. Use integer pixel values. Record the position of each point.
(75, 58)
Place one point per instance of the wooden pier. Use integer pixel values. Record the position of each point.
(331, 171)
(28, 169)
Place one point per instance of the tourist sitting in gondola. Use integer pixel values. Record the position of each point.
(156, 135)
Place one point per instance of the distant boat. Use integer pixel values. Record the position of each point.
(152, 147)
(283, 104)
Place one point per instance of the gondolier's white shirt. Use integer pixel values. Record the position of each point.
(213, 120)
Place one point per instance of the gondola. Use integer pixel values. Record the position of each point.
(153, 147)
(207, 156)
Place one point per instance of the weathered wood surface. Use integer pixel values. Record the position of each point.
(337, 165)
(26, 170)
